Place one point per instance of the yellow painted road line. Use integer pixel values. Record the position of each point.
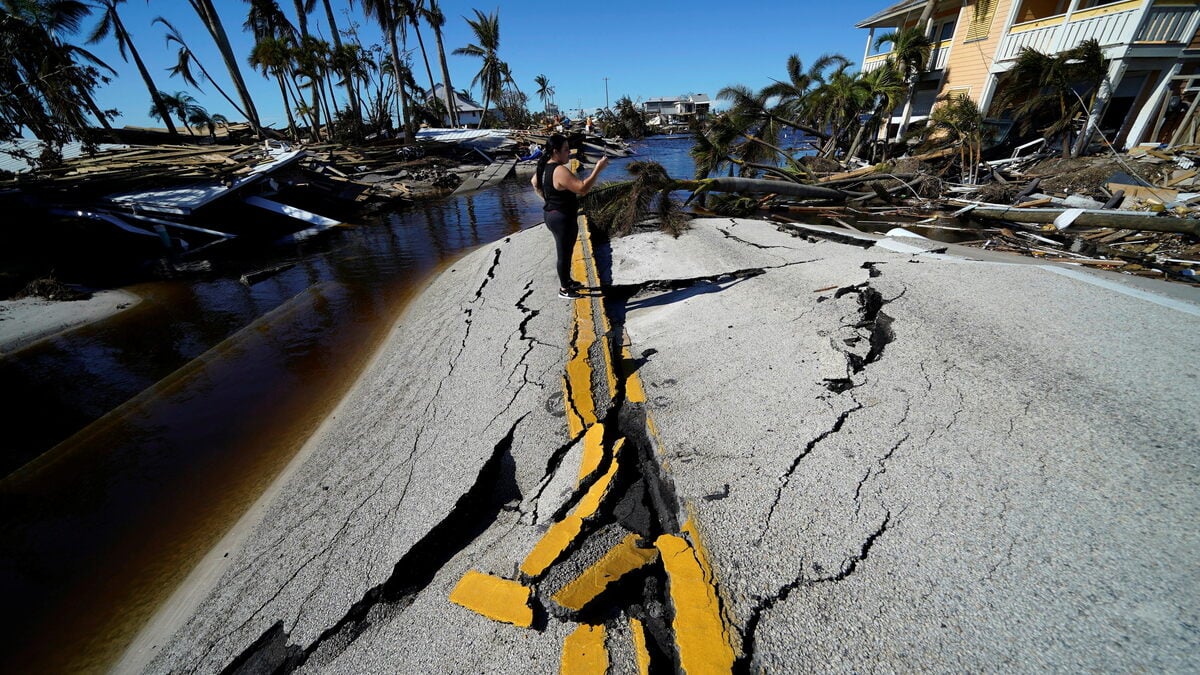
(701, 637)
(562, 534)
(634, 392)
(581, 408)
(593, 451)
(620, 560)
(585, 245)
(584, 652)
(641, 653)
(493, 597)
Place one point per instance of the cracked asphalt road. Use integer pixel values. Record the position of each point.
(896, 461)
(995, 470)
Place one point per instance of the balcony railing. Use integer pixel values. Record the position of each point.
(874, 62)
(1109, 24)
(1167, 24)
(938, 57)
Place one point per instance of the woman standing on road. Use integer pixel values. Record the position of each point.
(561, 190)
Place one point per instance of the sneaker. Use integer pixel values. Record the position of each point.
(569, 293)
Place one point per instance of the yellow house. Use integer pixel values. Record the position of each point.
(1152, 47)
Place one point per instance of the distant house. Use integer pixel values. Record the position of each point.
(677, 109)
(1152, 45)
(469, 112)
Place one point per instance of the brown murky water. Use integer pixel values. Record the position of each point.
(133, 445)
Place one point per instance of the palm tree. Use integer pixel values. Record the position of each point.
(343, 61)
(963, 121)
(911, 48)
(413, 11)
(110, 23)
(885, 88)
(838, 103)
(272, 56)
(433, 14)
(183, 106)
(793, 94)
(183, 66)
(46, 84)
(387, 14)
(303, 9)
(754, 120)
(212, 22)
(545, 91)
(1051, 90)
(492, 71)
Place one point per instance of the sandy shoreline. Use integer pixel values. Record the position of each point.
(27, 321)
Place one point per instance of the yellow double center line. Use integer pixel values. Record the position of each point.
(703, 640)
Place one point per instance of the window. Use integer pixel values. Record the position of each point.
(981, 20)
(947, 31)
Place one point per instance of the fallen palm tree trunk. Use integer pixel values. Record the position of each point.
(1092, 218)
(760, 186)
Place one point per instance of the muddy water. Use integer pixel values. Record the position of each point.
(132, 446)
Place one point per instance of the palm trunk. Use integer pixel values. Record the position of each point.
(399, 81)
(349, 78)
(447, 89)
(428, 70)
(287, 107)
(212, 22)
(123, 36)
(301, 18)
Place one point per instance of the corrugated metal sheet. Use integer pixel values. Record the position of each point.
(16, 164)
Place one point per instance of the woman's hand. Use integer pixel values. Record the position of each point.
(601, 163)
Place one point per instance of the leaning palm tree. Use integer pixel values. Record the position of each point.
(212, 22)
(272, 57)
(343, 61)
(414, 10)
(838, 103)
(545, 91)
(885, 89)
(185, 59)
(388, 14)
(910, 53)
(1051, 90)
(962, 121)
(46, 84)
(617, 208)
(753, 120)
(433, 14)
(491, 75)
(111, 24)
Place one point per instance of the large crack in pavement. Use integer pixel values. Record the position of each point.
(494, 487)
(745, 664)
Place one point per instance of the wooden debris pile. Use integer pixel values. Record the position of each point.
(1137, 213)
(141, 166)
(387, 172)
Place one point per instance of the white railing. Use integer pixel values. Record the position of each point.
(1167, 24)
(874, 63)
(1108, 29)
(1039, 39)
(940, 55)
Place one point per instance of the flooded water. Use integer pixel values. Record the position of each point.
(133, 445)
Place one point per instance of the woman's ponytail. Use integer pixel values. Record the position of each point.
(543, 160)
(553, 144)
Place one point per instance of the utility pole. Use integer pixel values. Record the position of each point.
(606, 93)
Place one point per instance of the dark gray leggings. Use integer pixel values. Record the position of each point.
(565, 230)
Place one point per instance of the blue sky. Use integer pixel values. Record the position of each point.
(645, 49)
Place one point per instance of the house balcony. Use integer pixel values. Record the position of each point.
(1115, 24)
(938, 58)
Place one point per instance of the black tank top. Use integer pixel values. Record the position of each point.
(563, 201)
